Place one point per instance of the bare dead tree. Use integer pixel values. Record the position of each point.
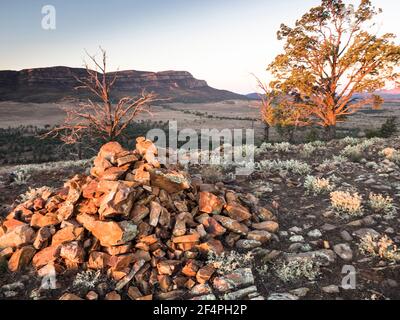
(101, 120)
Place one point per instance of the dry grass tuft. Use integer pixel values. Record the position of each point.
(382, 247)
(346, 203)
(317, 185)
(294, 270)
(227, 262)
(381, 204)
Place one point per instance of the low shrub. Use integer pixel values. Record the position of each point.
(317, 185)
(381, 204)
(227, 262)
(382, 247)
(389, 128)
(297, 269)
(346, 204)
(87, 279)
(294, 166)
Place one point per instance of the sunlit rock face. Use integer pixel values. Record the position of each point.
(55, 83)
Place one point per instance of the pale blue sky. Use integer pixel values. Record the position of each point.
(221, 41)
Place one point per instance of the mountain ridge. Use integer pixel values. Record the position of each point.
(51, 84)
(388, 95)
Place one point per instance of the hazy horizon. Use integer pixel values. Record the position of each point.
(222, 42)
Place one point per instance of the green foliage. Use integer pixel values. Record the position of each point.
(372, 133)
(286, 132)
(24, 145)
(388, 129)
(312, 135)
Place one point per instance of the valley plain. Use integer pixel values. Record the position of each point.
(230, 114)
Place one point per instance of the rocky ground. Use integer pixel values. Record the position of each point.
(329, 223)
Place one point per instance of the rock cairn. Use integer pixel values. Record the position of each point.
(146, 225)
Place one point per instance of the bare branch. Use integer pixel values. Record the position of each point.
(105, 120)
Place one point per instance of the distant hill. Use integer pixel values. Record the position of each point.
(253, 96)
(56, 83)
(388, 95)
(395, 91)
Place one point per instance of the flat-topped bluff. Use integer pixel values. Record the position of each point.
(55, 83)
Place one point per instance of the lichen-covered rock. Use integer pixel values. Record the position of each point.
(171, 181)
(21, 258)
(17, 237)
(210, 203)
(235, 280)
(46, 256)
(232, 225)
(118, 201)
(237, 212)
(270, 226)
(109, 233)
(324, 256)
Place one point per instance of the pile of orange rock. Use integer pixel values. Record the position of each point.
(146, 225)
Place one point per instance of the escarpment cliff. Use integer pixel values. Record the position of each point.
(56, 83)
